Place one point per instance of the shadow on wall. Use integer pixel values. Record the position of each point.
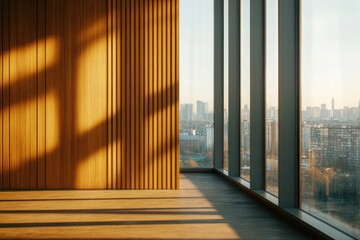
(82, 106)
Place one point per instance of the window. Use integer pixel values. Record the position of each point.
(330, 122)
(196, 84)
(271, 98)
(245, 90)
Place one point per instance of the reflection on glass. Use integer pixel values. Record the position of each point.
(196, 83)
(226, 83)
(245, 90)
(330, 123)
(271, 86)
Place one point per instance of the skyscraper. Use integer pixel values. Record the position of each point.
(186, 113)
(201, 110)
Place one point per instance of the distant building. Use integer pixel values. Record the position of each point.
(271, 138)
(315, 112)
(201, 110)
(336, 146)
(245, 113)
(324, 112)
(210, 136)
(186, 112)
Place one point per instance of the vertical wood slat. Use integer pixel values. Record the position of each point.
(141, 93)
(159, 94)
(23, 144)
(168, 94)
(6, 94)
(150, 97)
(146, 95)
(118, 92)
(6, 107)
(109, 94)
(114, 31)
(1, 92)
(41, 96)
(128, 94)
(132, 94)
(136, 95)
(124, 76)
(176, 87)
(163, 94)
(173, 90)
(154, 93)
(60, 161)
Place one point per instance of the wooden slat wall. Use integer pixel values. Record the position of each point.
(148, 83)
(89, 94)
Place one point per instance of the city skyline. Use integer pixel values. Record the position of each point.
(304, 108)
(329, 52)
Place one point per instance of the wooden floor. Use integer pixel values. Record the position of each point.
(206, 207)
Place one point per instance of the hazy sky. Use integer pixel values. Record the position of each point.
(196, 51)
(330, 52)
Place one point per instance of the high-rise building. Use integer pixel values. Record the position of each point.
(186, 113)
(210, 136)
(246, 113)
(201, 110)
(324, 112)
(316, 112)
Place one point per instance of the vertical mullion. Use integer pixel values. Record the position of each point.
(289, 103)
(218, 83)
(234, 88)
(257, 97)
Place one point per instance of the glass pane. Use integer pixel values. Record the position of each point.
(226, 83)
(271, 86)
(330, 127)
(245, 89)
(196, 83)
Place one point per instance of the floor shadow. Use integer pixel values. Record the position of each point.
(248, 218)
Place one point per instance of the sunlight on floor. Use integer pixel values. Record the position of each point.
(138, 214)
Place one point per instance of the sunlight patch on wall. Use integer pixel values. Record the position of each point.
(29, 51)
(22, 134)
(52, 121)
(92, 86)
(89, 167)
